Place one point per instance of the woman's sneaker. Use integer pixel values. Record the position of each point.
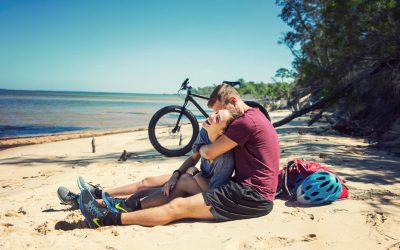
(68, 197)
(115, 204)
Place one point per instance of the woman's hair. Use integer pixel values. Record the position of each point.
(222, 93)
(234, 114)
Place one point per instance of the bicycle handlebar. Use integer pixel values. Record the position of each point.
(233, 84)
(185, 83)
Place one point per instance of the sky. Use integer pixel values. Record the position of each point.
(146, 46)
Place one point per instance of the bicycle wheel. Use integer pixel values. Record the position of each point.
(169, 136)
(260, 107)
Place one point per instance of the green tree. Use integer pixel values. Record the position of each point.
(334, 43)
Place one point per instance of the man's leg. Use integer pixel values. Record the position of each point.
(179, 208)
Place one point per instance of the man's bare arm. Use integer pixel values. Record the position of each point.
(217, 148)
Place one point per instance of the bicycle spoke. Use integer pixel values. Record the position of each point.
(173, 136)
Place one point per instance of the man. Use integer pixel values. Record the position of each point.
(250, 194)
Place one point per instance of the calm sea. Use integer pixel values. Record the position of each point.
(26, 113)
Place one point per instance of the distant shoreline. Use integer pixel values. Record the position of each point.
(12, 142)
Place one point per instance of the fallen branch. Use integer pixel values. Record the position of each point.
(323, 102)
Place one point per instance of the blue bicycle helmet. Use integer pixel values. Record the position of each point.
(319, 188)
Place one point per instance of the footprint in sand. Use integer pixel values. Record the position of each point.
(338, 210)
(299, 213)
(375, 218)
(309, 237)
(267, 243)
(13, 213)
(43, 228)
(395, 246)
(8, 227)
(276, 242)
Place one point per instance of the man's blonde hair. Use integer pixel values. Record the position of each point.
(222, 93)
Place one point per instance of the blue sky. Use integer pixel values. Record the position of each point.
(147, 46)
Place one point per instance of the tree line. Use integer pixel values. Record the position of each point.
(253, 90)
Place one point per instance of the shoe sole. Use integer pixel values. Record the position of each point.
(83, 211)
(61, 199)
(108, 204)
(81, 183)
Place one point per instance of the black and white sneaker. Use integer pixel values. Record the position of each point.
(82, 184)
(68, 197)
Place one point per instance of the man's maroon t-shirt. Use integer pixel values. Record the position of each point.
(257, 154)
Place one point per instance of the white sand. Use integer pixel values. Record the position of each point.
(31, 216)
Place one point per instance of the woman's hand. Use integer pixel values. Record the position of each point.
(192, 171)
(170, 184)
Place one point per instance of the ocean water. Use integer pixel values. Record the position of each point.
(27, 113)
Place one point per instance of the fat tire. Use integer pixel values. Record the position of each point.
(152, 125)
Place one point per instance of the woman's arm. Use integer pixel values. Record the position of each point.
(189, 162)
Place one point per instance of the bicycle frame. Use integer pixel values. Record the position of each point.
(189, 98)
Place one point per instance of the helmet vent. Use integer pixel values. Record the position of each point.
(324, 184)
(336, 189)
(314, 193)
(330, 188)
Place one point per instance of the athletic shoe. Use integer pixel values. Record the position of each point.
(88, 186)
(93, 212)
(115, 204)
(67, 197)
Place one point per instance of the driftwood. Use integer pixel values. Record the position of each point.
(93, 146)
(323, 102)
(125, 155)
(316, 117)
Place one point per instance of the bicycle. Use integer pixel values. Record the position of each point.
(173, 129)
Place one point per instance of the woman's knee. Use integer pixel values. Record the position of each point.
(184, 181)
(186, 178)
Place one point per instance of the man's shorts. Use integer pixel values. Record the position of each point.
(234, 201)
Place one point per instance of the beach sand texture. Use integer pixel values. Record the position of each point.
(31, 216)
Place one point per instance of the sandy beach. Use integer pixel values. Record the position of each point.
(31, 216)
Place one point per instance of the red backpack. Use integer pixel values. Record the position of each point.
(291, 176)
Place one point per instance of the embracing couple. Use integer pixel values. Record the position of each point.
(235, 138)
